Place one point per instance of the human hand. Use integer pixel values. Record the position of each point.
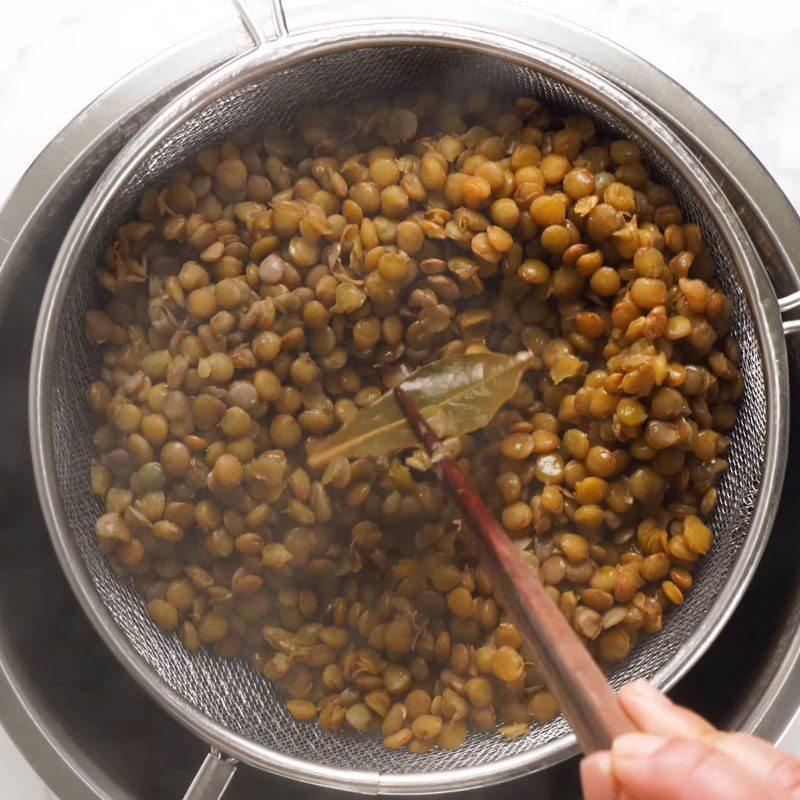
(680, 756)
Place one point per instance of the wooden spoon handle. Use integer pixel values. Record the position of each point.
(584, 695)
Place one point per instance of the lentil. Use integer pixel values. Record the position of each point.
(267, 326)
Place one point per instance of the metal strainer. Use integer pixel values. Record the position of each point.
(227, 703)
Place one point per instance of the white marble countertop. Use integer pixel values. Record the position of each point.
(741, 60)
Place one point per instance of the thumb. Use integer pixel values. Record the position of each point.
(655, 768)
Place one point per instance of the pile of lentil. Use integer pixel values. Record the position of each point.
(280, 282)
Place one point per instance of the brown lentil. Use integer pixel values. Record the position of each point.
(294, 288)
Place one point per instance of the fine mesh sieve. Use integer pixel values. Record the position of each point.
(227, 702)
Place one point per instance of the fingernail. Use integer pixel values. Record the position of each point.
(637, 745)
(597, 777)
(646, 690)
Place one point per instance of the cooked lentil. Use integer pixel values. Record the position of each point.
(279, 284)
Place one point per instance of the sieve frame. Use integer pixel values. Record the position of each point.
(255, 65)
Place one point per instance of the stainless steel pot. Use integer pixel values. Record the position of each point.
(55, 213)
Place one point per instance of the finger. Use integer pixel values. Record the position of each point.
(597, 777)
(651, 711)
(651, 767)
(773, 768)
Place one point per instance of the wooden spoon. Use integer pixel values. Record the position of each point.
(583, 693)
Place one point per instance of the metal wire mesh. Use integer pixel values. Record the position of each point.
(230, 692)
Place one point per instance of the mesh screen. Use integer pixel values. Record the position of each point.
(230, 692)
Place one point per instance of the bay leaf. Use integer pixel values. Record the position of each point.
(456, 395)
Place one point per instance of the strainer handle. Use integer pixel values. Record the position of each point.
(265, 20)
(790, 303)
(212, 778)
